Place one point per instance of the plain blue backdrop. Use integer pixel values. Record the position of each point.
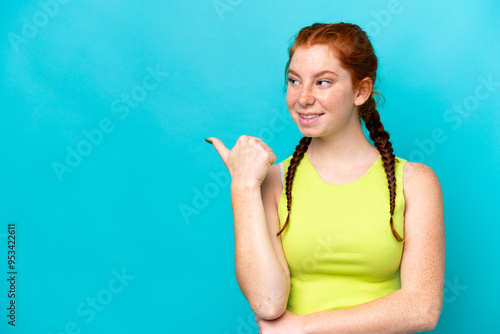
(123, 213)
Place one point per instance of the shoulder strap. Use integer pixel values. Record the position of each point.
(282, 169)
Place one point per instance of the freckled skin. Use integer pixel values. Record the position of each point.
(334, 96)
(339, 150)
(261, 269)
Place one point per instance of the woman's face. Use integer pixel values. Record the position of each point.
(318, 85)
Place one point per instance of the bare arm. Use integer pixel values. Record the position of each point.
(261, 269)
(417, 305)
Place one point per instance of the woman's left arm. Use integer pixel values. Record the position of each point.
(415, 307)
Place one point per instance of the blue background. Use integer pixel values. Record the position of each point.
(149, 200)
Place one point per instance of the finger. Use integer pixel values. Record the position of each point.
(265, 146)
(221, 148)
(273, 158)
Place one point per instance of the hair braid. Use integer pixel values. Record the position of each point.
(297, 156)
(380, 137)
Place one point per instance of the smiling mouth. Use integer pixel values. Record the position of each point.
(309, 119)
(309, 116)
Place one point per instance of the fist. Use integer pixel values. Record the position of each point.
(249, 160)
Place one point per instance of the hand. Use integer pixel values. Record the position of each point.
(288, 323)
(249, 160)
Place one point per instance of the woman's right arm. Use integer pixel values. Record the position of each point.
(261, 268)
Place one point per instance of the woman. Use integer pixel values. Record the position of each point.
(319, 248)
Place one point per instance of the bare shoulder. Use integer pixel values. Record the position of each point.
(272, 186)
(419, 179)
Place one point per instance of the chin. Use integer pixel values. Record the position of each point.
(308, 132)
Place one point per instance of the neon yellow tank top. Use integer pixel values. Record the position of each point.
(338, 244)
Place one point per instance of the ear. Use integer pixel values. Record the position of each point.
(364, 91)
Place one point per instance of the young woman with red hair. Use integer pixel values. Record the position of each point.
(342, 236)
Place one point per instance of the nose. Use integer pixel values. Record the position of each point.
(305, 96)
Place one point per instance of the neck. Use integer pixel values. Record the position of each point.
(349, 145)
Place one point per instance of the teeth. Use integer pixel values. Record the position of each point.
(311, 116)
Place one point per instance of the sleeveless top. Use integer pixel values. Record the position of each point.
(338, 243)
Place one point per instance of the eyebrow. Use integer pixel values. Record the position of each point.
(316, 75)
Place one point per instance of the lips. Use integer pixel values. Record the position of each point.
(310, 118)
(310, 115)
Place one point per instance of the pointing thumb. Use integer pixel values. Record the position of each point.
(220, 147)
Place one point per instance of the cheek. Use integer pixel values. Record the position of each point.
(337, 100)
(347, 97)
(289, 98)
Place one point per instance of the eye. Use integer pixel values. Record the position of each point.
(290, 80)
(325, 81)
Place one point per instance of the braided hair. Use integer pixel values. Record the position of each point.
(355, 52)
